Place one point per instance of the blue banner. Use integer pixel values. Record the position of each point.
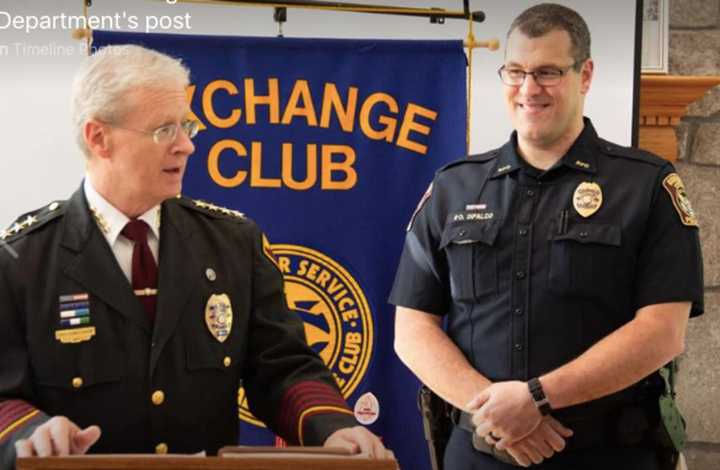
(329, 146)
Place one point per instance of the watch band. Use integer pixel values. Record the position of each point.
(538, 396)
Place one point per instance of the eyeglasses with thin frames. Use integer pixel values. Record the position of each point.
(167, 133)
(544, 76)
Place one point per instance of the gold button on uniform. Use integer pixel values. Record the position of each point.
(158, 397)
(161, 448)
(77, 382)
(227, 361)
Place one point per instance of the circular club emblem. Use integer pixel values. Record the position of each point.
(338, 321)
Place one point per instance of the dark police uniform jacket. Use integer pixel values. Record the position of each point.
(528, 283)
(111, 379)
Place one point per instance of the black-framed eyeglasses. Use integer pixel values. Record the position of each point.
(544, 76)
(167, 133)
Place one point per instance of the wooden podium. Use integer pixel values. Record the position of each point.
(179, 462)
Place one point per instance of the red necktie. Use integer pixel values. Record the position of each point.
(144, 269)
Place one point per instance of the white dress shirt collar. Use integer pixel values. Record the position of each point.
(110, 220)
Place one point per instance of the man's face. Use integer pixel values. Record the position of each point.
(150, 173)
(545, 115)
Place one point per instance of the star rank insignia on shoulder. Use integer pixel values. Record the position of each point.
(31, 220)
(17, 227)
(218, 209)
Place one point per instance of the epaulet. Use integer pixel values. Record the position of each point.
(477, 158)
(631, 153)
(209, 208)
(32, 220)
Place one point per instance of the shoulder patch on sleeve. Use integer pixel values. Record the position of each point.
(267, 251)
(676, 189)
(423, 200)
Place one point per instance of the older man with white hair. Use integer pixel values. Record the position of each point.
(131, 315)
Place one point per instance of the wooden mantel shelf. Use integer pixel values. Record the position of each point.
(663, 101)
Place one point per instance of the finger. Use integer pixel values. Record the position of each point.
(24, 448)
(502, 444)
(535, 456)
(507, 441)
(367, 446)
(359, 437)
(558, 427)
(552, 438)
(542, 447)
(378, 448)
(370, 444)
(478, 401)
(344, 443)
(83, 440)
(60, 437)
(531, 453)
(351, 447)
(482, 428)
(556, 442)
(41, 442)
(519, 456)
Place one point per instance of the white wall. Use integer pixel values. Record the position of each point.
(40, 162)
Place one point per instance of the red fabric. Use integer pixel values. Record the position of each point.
(144, 268)
(302, 396)
(10, 412)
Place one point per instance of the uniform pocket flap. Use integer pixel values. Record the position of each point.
(81, 377)
(603, 234)
(77, 366)
(470, 232)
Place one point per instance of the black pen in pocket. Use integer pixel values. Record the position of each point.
(562, 222)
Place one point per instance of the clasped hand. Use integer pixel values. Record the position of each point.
(506, 417)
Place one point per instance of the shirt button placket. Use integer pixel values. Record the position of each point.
(521, 281)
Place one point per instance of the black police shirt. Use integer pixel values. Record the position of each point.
(531, 268)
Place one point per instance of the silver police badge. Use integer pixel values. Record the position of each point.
(588, 198)
(219, 316)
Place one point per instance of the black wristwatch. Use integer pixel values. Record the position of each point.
(538, 396)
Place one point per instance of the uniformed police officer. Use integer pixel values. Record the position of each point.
(129, 316)
(566, 268)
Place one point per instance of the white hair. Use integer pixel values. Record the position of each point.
(110, 73)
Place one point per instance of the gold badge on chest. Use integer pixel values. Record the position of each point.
(219, 316)
(587, 198)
